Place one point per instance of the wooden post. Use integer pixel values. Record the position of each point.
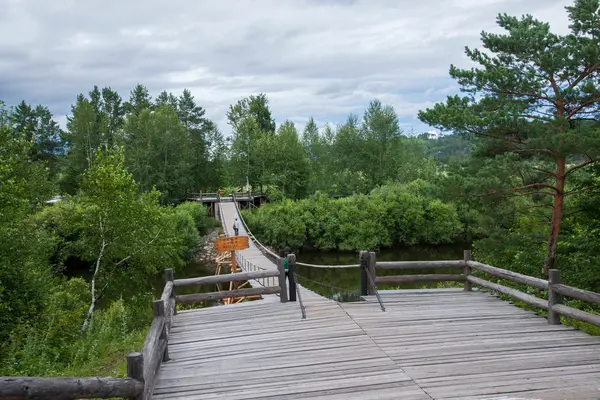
(159, 308)
(467, 256)
(291, 276)
(364, 280)
(170, 278)
(282, 285)
(135, 370)
(371, 266)
(165, 337)
(553, 297)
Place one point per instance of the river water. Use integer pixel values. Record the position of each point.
(344, 283)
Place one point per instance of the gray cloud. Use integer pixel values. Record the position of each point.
(313, 58)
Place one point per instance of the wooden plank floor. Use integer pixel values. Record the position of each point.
(429, 344)
(458, 345)
(263, 350)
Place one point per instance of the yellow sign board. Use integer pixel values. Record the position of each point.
(232, 243)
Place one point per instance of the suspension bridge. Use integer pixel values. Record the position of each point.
(454, 343)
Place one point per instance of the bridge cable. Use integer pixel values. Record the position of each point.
(374, 288)
(302, 308)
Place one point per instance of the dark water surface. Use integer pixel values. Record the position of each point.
(345, 282)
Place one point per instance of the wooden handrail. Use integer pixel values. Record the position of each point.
(16, 388)
(553, 286)
(224, 278)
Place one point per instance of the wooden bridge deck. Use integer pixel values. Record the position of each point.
(429, 344)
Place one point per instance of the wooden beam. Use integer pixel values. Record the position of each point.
(511, 276)
(419, 264)
(193, 298)
(527, 298)
(17, 388)
(579, 294)
(579, 315)
(420, 278)
(224, 278)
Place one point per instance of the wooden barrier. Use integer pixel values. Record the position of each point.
(235, 277)
(16, 388)
(556, 290)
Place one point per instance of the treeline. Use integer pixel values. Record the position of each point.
(168, 142)
(520, 168)
(108, 225)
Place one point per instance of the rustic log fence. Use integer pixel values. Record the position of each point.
(235, 277)
(464, 273)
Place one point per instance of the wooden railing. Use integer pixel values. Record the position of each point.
(235, 277)
(464, 274)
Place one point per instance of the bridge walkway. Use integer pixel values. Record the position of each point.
(429, 344)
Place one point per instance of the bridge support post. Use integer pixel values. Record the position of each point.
(282, 285)
(372, 260)
(292, 277)
(169, 278)
(135, 370)
(553, 297)
(364, 279)
(467, 256)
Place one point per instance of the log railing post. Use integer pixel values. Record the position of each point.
(135, 370)
(553, 297)
(292, 277)
(170, 278)
(159, 312)
(282, 285)
(372, 272)
(364, 279)
(467, 256)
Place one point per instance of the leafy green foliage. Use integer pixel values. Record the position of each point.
(390, 216)
(532, 97)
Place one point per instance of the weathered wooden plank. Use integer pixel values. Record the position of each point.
(419, 264)
(579, 315)
(224, 278)
(193, 298)
(420, 278)
(579, 294)
(527, 298)
(510, 275)
(167, 291)
(17, 388)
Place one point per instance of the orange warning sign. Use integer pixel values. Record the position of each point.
(225, 244)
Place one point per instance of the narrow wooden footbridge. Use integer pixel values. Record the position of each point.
(454, 343)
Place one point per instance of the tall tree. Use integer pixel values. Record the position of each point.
(532, 97)
(159, 152)
(139, 100)
(252, 125)
(290, 166)
(382, 135)
(38, 127)
(166, 98)
(192, 118)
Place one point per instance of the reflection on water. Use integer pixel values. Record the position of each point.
(344, 283)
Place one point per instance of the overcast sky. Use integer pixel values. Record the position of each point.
(320, 58)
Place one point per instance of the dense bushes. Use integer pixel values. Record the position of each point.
(390, 215)
(123, 237)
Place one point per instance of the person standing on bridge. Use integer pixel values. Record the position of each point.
(236, 226)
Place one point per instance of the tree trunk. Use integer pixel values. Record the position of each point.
(88, 316)
(557, 213)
